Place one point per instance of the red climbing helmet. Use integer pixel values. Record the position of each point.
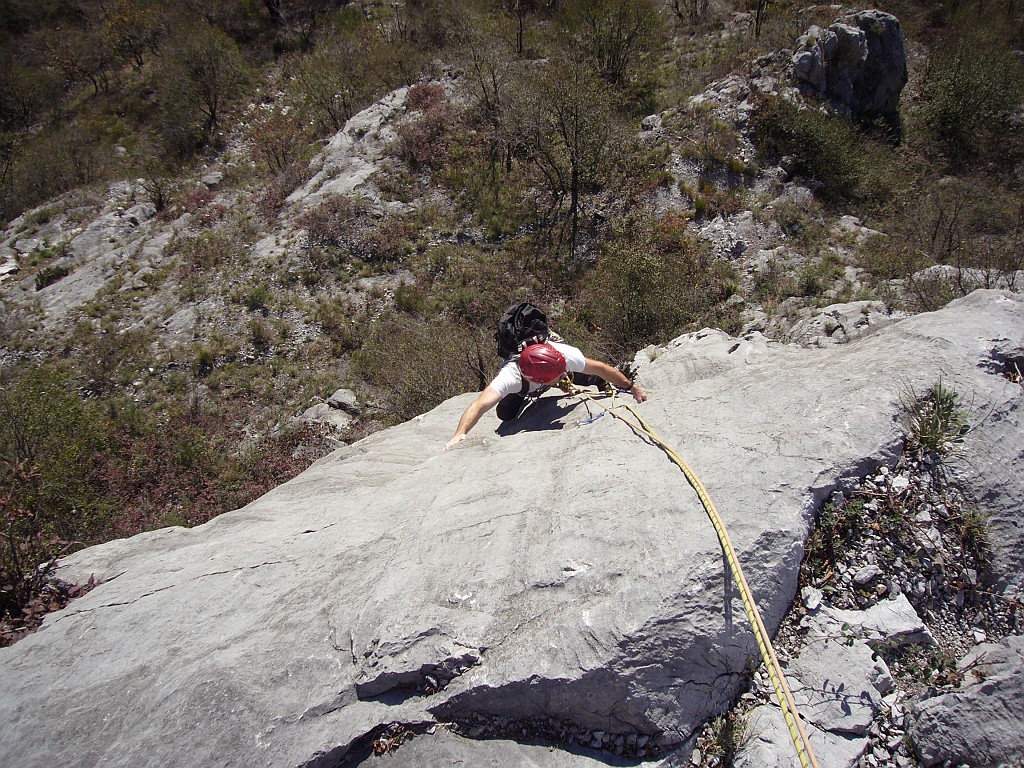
(541, 363)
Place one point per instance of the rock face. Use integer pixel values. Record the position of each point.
(983, 722)
(859, 63)
(557, 577)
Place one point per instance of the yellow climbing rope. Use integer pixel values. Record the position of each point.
(782, 693)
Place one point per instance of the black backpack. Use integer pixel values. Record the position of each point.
(522, 324)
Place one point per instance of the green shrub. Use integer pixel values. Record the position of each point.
(478, 285)
(411, 299)
(329, 224)
(971, 89)
(423, 138)
(260, 334)
(417, 364)
(277, 137)
(652, 285)
(803, 223)
(974, 539)
(825, 147)
(838, 523)
(51, 274)
(202, 364)
(258, 298)
(819, 275)
(55, 436)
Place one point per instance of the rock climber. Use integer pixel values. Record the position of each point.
(536, 368)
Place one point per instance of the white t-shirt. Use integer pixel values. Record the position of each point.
(510, 378)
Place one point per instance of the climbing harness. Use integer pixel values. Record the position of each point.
(782, 692)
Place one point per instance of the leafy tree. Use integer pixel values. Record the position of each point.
(692, 11)
(760, 10)
(205, 71)
(81, 56)
(490, 73)
(336, 81)
(616, 33)
(240, 19)
(302, 18)
(565, 125)
(133, 28)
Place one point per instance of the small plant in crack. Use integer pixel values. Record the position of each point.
(837, 524)
(935, 420)
(973, 531)
(729, 735)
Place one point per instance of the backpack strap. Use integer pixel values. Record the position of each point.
(538, 339)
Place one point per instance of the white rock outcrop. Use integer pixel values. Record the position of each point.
(556, 573)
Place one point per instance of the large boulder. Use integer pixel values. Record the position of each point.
(858, 63)
(556, 577)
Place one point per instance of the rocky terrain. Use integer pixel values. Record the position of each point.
(549, 594)
(558, 582)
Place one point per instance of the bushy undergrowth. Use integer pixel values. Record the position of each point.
(75, 472)
(972, 226)
(654, 284)
(417, 362)
(847, 165)
(972, 87)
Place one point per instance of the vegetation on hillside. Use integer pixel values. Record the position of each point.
(519, 170)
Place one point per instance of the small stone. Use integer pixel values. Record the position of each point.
(979, 635)
(866, 575)
(696, 758)
(811, 598)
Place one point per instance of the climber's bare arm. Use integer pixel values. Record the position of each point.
(616, 377)
(483, 403)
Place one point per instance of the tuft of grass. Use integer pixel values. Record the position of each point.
(973, 531)
(730, 735)
(935, 420)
